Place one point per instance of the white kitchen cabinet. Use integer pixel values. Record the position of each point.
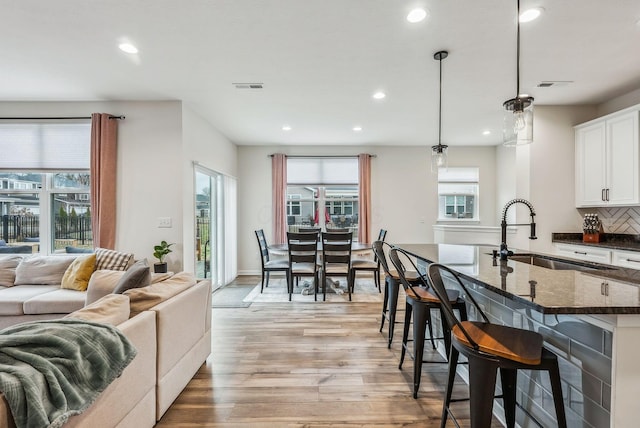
(584, 253)
(608, 161)
(592, 290)
(627, 259)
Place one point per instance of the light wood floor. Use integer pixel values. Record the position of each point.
(308, 365)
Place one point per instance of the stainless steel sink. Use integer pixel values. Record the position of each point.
(554, 263)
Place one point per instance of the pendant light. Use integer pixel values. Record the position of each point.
(439, 152)
(518, 112)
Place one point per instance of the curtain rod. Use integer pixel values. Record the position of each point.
(324, 157)
(121, 117)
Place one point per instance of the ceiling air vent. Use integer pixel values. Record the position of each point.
(248, 85)
(554, 83)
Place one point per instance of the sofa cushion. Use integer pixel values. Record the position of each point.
(138, 275)
(111, 309)
(8, 266)
(103, 282)
(58, 301)
(77, 275)
(14, 298)
(144, 298)
(111, 259)
(45, 270)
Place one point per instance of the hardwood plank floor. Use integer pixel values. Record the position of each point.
(315, 365)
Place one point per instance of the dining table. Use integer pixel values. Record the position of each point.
(332, 286)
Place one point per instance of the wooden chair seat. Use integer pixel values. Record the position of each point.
(426, 295)
(336, 269)
(410, 275)
(514, 344)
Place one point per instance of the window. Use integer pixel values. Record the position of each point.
(322, 181)
(45, 184)
(458, 194)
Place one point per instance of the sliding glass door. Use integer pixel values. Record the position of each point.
(215, 226)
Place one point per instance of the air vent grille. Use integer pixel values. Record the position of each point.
(554, 83)
(248, 85)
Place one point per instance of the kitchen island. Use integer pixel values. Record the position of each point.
(588, 313)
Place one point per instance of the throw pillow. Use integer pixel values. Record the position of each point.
(8, 266)
(77, 275)
(111, 259)
(42, 270)
(111, 309)
(102, 282)
(136, 276)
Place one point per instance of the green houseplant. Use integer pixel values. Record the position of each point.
(160, 252)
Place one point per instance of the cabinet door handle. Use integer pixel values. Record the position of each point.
(602, 195)
(633, 261)
(607, 193)
(604, 288)
(580, 252)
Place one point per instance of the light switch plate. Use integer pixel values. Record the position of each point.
(164, 222)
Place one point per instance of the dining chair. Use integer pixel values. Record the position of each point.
(369, 264)
(269, 265)
(336, 258)
(489, 348)
(309, 229)
(303, 258)
(419, 303)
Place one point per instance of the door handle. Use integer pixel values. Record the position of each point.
(602, 195)
(607, 195)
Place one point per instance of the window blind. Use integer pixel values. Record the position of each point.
(45, 146)
(322, 171)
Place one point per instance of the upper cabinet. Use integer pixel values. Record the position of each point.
(608, 161)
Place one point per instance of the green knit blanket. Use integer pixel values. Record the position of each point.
(51, 370)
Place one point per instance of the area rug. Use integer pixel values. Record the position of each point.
(231, 297)
(365, 291)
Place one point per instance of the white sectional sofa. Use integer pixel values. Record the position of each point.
(170, 326)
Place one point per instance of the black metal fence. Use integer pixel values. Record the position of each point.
(18, 228)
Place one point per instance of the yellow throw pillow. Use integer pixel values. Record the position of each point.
(77, 275)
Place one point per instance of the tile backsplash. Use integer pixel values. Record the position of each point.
(617, 220)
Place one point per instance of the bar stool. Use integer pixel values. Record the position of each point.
(419, 303)
(489, 347)
(391, 289)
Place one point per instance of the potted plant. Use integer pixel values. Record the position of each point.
(159, 252)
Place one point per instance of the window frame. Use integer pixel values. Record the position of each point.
(466, 179)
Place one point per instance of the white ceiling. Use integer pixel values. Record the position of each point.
(320, 62)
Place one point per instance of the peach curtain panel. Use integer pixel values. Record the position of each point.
(279, 180)
(364, 212)
(104, 153)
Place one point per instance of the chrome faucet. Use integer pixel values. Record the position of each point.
(504, 251)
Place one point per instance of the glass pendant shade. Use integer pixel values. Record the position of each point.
(438, 157)
(517, 127)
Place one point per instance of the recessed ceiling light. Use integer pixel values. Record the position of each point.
(486, 132)
(286, 128)
(128, 48)
(531, 14)
(357, 128)
(416, 15)
(379, 95)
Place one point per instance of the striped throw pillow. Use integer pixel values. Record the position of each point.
(111, 259)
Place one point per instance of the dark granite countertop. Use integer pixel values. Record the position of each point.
(594, 289)
(614, 241)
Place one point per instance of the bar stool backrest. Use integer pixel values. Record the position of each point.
(435, 273)
(378, 252)
(401, 270)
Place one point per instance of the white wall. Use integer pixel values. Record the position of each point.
(155, 177)
(545, 176)
(627, 100)
(204, 144)
(404, 192)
